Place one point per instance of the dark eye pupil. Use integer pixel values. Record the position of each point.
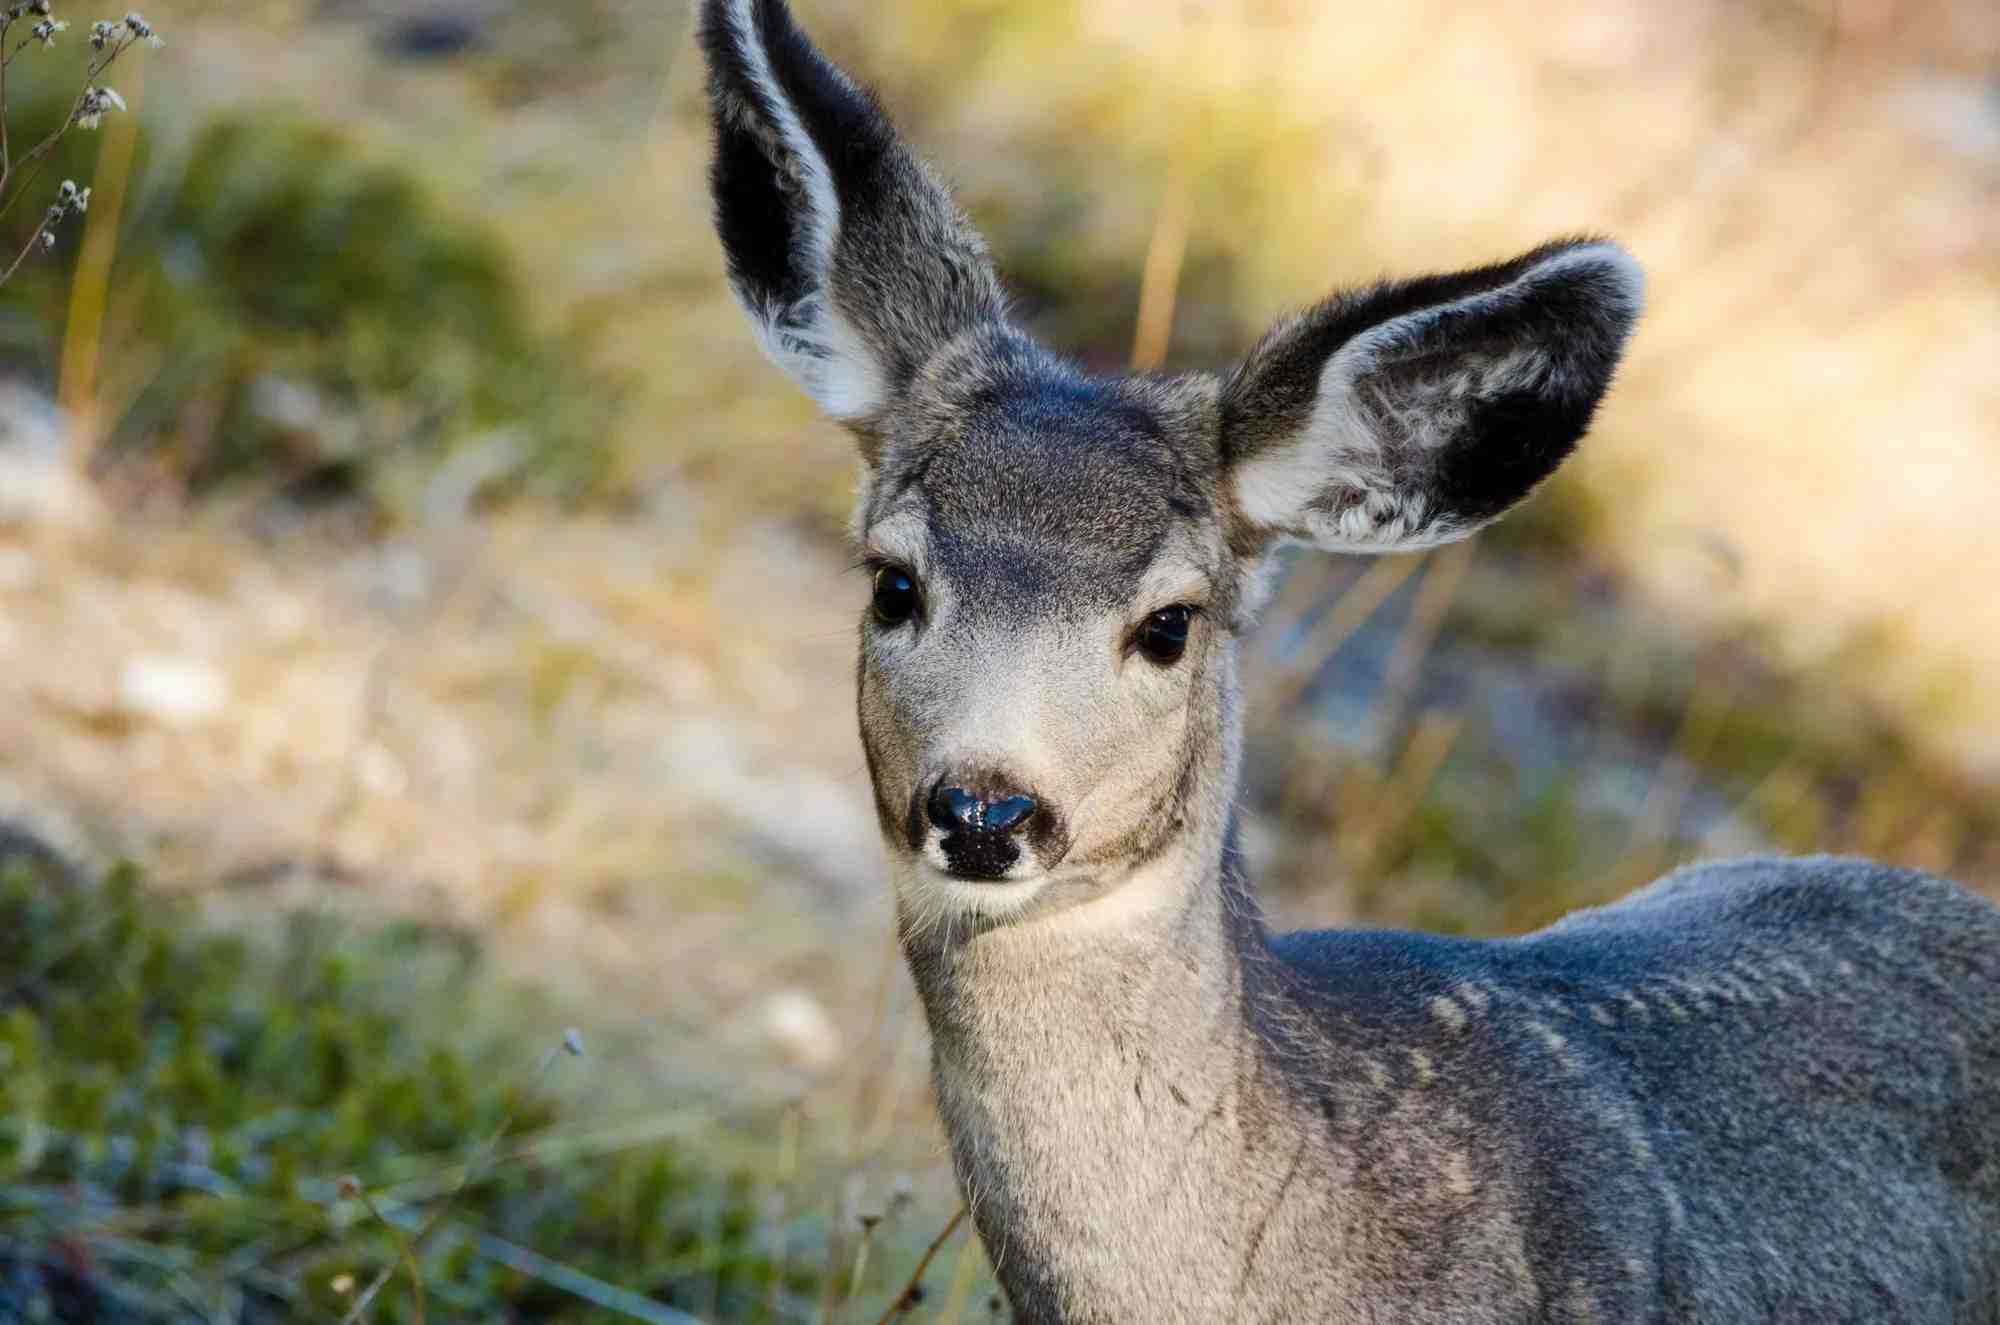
(1163, 638)
(895, 596)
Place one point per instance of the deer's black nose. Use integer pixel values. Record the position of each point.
(956, 810)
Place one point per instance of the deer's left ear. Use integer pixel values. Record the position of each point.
(1411, 414)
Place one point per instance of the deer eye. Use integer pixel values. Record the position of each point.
(1162, 637)
(895, 598)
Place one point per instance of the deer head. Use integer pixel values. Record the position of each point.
(1063, 564)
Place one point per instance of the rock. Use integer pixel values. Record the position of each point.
(436, 34)
(179, 692)
(795, 1022)
(454, 490)
(18, 569)
(39, 481)
(19, 847)
(1958, 111)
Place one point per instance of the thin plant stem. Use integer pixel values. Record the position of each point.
(1444, 571)
(1166, 249)
(1166, 254)
(868, 1074)
(22, 256)
(1360, 848)
(962, 1271)
(1350, 612)
(43, 148)
(84, 331)
(907, 1298)
(472, 1168)
(8, 205)
(1658, 819)
(404, 1251)
(896, 1082)
(788, 1164)
(6, 160)
(868, 1227)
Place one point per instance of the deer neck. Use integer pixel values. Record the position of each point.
(1154, 967)
(1096, 1073)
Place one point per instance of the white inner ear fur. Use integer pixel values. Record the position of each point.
(814, 345)
(1341, 448)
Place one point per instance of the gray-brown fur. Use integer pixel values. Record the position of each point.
(1758, 1092)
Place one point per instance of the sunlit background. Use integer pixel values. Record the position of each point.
(408, 564)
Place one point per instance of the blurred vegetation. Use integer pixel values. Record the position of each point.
(177, 1106)
(299, 314)
(1543, 742)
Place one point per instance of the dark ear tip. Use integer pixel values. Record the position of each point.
(1615, 275)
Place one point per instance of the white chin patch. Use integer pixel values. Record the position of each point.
(935, 895)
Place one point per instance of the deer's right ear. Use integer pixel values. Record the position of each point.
(850, 257)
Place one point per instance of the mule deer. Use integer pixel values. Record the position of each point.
(1760, 1091)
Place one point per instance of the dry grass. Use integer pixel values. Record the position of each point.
(535, 731)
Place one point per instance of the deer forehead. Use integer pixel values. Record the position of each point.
(1044, 491)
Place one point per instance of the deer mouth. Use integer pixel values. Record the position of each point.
(979, 857)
